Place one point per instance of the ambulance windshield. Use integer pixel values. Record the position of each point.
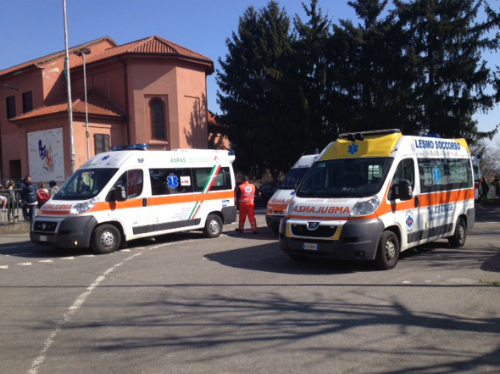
(84, 184)
(358, 177)
(293, 177)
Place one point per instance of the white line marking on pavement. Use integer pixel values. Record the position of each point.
(72, 310)
(20, 254)
(4, 267)
(67, 258)
(46, 261)
(25, 264)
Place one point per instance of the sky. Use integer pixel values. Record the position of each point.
(30, 29)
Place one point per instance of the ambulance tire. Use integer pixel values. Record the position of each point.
(105, 239)
(388, 251)
(458, 238)
(213, 226)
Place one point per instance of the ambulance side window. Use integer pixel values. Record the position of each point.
(405, 170)
(135, 183)
(132, 182)
(444, 174)
(170, 181)
(202, 180)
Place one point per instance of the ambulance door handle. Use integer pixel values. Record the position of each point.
(416, 201)
(144, 202)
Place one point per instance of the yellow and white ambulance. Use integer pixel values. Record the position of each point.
(371, 195)
(127, 194)
(283, 195)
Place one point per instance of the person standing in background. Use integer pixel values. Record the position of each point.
(245, 194)
(42, 195)
(28, 197)
(53, 188)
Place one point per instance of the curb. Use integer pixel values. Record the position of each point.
(16, 228)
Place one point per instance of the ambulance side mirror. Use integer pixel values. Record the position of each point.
(119, 194)
(405, 190)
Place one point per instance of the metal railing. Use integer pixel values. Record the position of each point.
(11, 209)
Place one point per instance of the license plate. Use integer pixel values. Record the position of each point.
(44, 238)
(310, 246)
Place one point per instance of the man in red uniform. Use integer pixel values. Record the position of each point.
(246, 195)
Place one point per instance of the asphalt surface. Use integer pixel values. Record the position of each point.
(237, 304)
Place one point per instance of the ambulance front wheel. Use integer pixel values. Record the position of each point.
(388, 251)
(105, 239)
(458, 238)
(213, 226)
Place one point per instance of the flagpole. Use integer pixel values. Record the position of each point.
(68, 85)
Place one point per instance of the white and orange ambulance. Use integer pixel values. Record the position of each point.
(371, 195)
(286, 189)
(126, 194)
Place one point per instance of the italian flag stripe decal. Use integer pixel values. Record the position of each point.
(210, 182)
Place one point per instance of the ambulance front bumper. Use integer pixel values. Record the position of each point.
(69, 232)
(347, 240)
(273, 220)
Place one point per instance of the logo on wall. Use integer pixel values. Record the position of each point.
(45, 154)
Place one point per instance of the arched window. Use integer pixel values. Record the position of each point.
(157, 115)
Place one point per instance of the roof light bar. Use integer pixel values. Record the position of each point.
(130, 147)
(360, 135)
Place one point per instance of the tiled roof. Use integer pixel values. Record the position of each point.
(153, 45)
(96, 103)
(54, 56)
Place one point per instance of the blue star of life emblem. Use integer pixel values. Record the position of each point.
(353, 148)
(173, 181)
(409, 221)
(436, 175)
(105, 157)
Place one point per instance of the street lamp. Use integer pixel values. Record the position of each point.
(81, 53)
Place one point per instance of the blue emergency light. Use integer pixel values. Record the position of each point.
(130, 147)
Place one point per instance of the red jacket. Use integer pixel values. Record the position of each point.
(246, 193)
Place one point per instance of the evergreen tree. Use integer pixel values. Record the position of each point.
(312, 61)
(372, 87)
(450, 78)
(258, 95)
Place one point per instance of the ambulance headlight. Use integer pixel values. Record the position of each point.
(365, 207)
(82, 207)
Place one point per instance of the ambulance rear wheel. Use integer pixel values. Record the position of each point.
(213, 226)
(388, 251)
(105, 239)
(458, 238)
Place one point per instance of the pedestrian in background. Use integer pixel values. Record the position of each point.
(245, 194)
(53, 188)
(42, 195)
(484, 189)
(29, 200)
(3, 200)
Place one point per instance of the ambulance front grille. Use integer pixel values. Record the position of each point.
(45, 226)
(320, 232)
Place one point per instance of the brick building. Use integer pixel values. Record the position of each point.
(148, 91)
